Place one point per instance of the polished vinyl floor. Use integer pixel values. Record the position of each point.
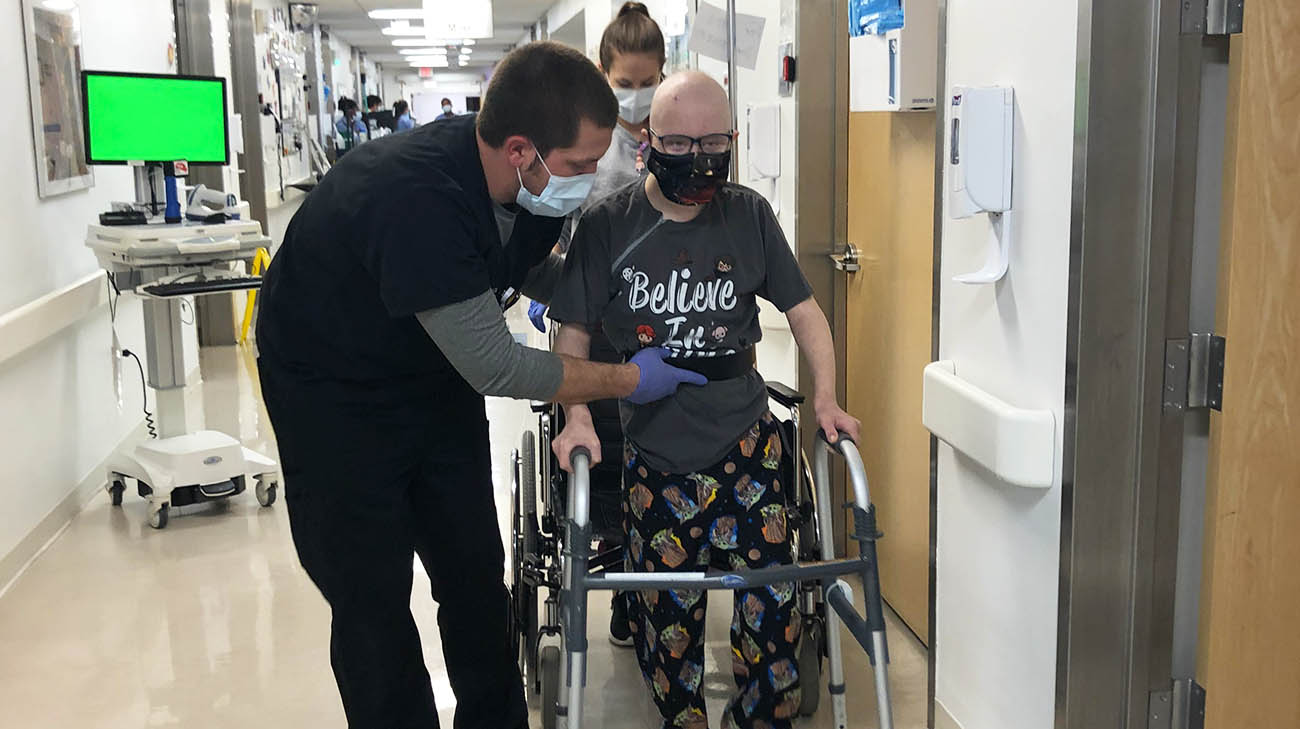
(212, 623)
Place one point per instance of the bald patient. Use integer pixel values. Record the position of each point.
(678, 260)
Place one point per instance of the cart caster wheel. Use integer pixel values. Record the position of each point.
(115, 491)
(549, 667)
(265, 492)
(810, 668)
(158, 519)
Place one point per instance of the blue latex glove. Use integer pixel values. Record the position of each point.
(537, 315)
(659, 380)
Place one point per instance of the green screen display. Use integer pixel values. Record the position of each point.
(155, 119)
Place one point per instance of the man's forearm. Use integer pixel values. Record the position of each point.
(585, 381)
(813, 335)
(573, 345)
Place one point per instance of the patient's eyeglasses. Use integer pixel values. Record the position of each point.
(682, 144)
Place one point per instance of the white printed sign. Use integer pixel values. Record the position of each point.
(709, 35)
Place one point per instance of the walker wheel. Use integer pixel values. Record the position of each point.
(550, 670)
(810, 667)
(265, 491)
(115, 490)
(158, 518)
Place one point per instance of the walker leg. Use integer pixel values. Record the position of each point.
(883, 708)
(835, 657)
(574, 607)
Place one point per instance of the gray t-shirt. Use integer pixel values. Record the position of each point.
(692, 288)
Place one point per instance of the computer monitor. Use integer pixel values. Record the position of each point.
(380, 119)
(138, 117)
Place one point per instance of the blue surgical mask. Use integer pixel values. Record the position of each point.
(561, 196)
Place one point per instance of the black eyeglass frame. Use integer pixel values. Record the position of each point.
(730, 136)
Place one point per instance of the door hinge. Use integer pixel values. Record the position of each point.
(1212, 17)
(1194, 372)
(1180, 707)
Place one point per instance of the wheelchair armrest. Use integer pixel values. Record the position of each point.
(784, 395)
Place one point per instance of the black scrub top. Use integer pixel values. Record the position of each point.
(400, 225)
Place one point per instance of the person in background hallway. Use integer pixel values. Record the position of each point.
(350, 125)
(402, 113)
(632, 57)
(374, 103)
(447, 112)
(380, 330)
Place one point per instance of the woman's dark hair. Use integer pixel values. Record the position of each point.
(632, 31)
(543, 91)
(346, 105)
(373, 100)
(399, 108)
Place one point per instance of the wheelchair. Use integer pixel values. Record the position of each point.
(567, 540)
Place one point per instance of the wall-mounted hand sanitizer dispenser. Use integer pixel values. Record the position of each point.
(980, 143)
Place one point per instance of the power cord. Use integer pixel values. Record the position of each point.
(144, 395)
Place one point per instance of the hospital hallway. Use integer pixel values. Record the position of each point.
(211, 622)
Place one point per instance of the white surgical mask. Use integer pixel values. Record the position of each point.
(634, 104)
(446, 108)
(561, 196)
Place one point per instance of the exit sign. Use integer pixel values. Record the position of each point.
(426, 72)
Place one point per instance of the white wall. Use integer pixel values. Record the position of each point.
(60, 415)
(998, 545)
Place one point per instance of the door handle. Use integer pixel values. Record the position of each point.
(848, 260)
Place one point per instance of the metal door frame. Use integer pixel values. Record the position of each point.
(1134, 222)
(822, 129)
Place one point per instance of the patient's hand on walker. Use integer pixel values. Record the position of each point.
(578, 431)
(834, 421)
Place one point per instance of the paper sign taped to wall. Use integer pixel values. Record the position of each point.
(709, 35)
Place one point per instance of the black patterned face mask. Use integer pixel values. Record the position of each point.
(689, 179)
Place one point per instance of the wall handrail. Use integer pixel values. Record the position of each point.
(1018, 445)
(37, 320)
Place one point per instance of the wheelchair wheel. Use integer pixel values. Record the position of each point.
(550, 670)
(528, 491)
(810, 667)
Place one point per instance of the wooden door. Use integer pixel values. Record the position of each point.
(887, 344)
(1250, 621)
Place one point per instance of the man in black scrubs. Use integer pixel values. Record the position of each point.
(380, 331)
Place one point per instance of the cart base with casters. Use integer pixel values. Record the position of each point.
(869, 631)
(189, 469)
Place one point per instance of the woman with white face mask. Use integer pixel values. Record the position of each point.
(632, 57)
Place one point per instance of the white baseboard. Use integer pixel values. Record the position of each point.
(942, 719)
(30, 548)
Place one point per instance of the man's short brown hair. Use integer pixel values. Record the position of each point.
(543, 91)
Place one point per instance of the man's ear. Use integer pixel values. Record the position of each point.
(520, 152)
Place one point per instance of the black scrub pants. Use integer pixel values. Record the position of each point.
(373, 476)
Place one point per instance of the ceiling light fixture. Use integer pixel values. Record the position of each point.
(397, 14)
(402, 27)
(423, 51)
(468, 42)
